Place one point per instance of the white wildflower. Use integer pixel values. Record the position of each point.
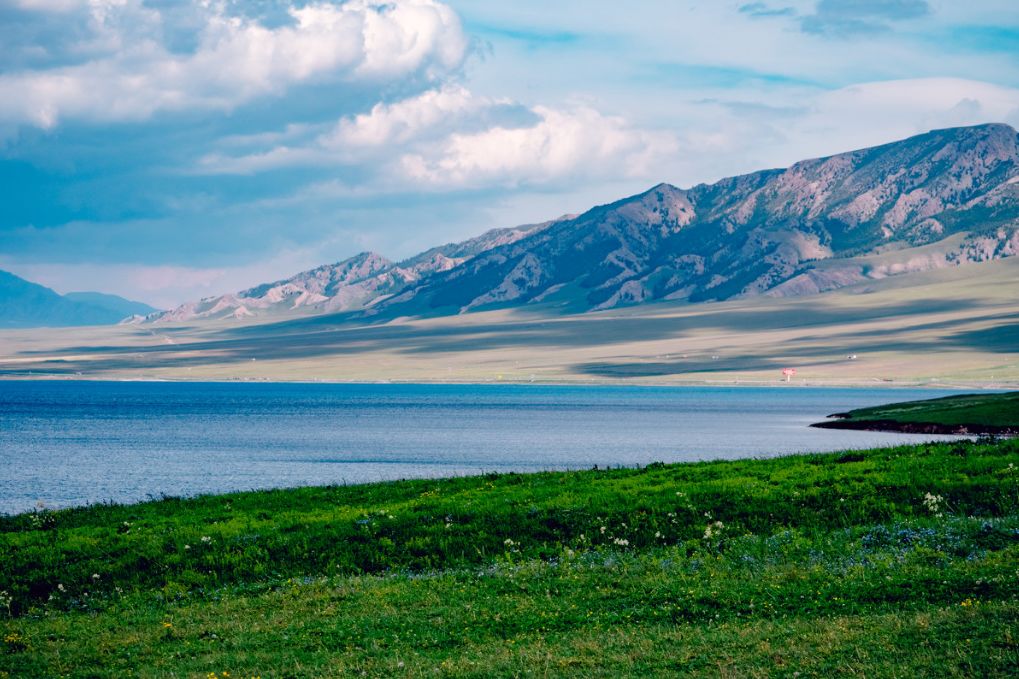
(713, 529)
(935, 504)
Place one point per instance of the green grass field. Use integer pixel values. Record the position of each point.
(896, 562)
(987, 413)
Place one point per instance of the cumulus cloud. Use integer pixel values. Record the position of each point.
(578, 142)
(236, 59)
(450, 138)
(352, 139)
(404, 120)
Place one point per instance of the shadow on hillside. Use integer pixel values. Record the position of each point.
(1000, 339)
(315, 337)
(1003, 338)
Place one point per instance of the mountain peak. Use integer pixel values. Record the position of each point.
(366, 256)
(994, 128)
(663, 186)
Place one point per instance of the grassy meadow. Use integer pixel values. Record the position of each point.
(889, 562)
(988, 413)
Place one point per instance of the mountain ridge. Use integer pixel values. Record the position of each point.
(352, 284)
(750, 234)
(936, 199)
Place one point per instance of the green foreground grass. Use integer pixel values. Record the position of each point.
(891, 562)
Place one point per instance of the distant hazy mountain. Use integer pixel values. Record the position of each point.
(122, 307)
(935, 200)
(355, 283)
(25, 305)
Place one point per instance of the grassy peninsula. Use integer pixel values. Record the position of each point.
(889, 562)
(965, 414)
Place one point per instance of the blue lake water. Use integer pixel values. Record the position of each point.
(70, 443)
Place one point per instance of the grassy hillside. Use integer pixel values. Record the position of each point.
(891, 562)
(973, 413)
(950, 327)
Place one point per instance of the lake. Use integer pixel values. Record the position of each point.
(77, 442)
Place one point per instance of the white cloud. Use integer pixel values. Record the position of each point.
(404, 120)
(236, 60)
(578, 142)
(354, 139)
(448, 138)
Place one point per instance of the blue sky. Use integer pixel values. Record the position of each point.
(168, 150)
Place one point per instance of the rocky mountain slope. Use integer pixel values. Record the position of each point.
(24, 304)
(938, 199)
(355, 283)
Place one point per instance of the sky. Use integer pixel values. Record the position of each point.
(168, 150)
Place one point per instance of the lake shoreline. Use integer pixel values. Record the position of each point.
(81, 442)
(892, 426)
(747, 383)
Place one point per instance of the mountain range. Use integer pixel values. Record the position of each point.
(352, 284)
(24, 304)
(938, 199)
(935, 200)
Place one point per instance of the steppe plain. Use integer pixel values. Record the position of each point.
(955, 327)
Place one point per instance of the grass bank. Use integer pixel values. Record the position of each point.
(890, 562)
(965, 414)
